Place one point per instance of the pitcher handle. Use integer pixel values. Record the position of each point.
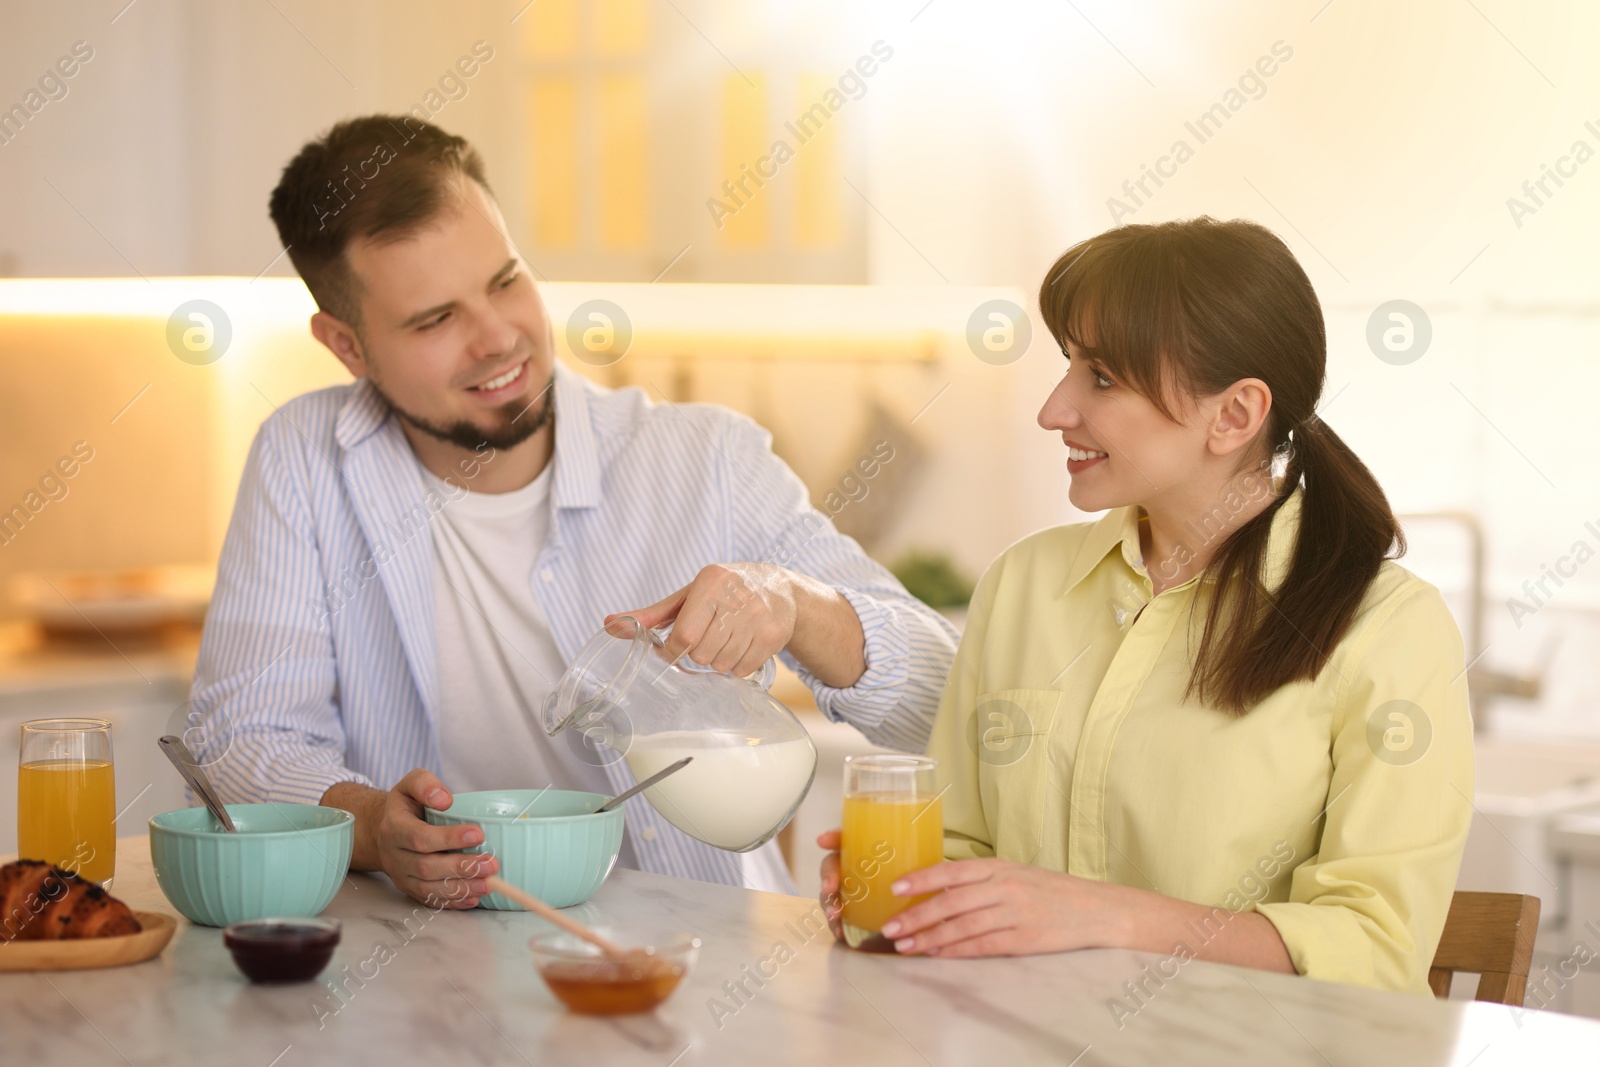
(764, 678)
(761, 679)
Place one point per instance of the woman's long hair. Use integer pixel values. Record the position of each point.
(1190, 308)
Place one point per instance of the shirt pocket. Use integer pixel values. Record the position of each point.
(1009, 736)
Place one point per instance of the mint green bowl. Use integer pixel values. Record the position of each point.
(286, 860)
(549, 841)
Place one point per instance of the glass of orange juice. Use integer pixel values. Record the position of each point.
(66, 798)
(892, 826)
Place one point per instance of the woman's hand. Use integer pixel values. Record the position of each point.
(832, 903)
(993, 907)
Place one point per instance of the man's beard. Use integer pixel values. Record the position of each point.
(522, 423)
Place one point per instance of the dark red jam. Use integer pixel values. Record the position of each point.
(282, 950)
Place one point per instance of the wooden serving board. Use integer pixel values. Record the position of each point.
(91, 952)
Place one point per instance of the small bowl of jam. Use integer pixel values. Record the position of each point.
(589, 982)
(282, 950)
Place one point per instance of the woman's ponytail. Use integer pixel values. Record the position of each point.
(1257, 640)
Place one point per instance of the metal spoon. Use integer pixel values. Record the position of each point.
(646, 784)
(190, 768)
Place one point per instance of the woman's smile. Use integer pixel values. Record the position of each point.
(1081, 458)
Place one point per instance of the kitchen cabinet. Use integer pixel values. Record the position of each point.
(1566, 975)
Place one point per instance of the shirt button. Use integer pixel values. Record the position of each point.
(648, 833)
(547, 575)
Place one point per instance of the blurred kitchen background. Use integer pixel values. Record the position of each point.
(1438, 153)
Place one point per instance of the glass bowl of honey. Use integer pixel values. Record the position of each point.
(590, 982)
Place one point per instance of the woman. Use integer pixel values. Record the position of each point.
(1218, 722)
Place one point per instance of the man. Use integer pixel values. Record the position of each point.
(415, 557)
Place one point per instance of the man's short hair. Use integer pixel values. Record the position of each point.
(376, 177)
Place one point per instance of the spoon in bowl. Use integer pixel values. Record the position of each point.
(672, 768)
(532, 903)
(572, 926)
(190, 768)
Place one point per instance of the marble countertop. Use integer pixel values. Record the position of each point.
(409, 985)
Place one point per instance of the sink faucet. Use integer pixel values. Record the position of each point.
(1483, 683)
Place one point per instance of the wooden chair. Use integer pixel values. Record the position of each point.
(1490, 935)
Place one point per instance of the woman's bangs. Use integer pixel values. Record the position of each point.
(1122, 311)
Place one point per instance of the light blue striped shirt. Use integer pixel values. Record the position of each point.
(319, 661)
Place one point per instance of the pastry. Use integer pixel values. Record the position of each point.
(39, 902)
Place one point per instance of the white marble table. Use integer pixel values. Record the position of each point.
(458, 988)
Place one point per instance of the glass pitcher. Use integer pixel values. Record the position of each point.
(753, 761)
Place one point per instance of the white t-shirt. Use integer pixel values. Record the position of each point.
(497, 656)
(498, 659)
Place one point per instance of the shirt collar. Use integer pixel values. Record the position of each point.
(577, 457)
(577, 453)
(362, 412)
(1119, 529)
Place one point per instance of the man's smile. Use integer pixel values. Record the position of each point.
(505, 385)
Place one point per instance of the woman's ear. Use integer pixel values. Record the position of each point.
(1240, 413)
(341, 340)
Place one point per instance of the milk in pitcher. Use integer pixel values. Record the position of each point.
(735, 793)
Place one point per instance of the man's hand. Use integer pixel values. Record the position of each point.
(392, 837)
(735, 616)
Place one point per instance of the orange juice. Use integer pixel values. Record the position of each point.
(886, 835)
(66, 815)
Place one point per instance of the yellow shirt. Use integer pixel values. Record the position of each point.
(1337, 808)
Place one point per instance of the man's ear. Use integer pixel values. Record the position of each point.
(337, 336)
(1240, 414)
